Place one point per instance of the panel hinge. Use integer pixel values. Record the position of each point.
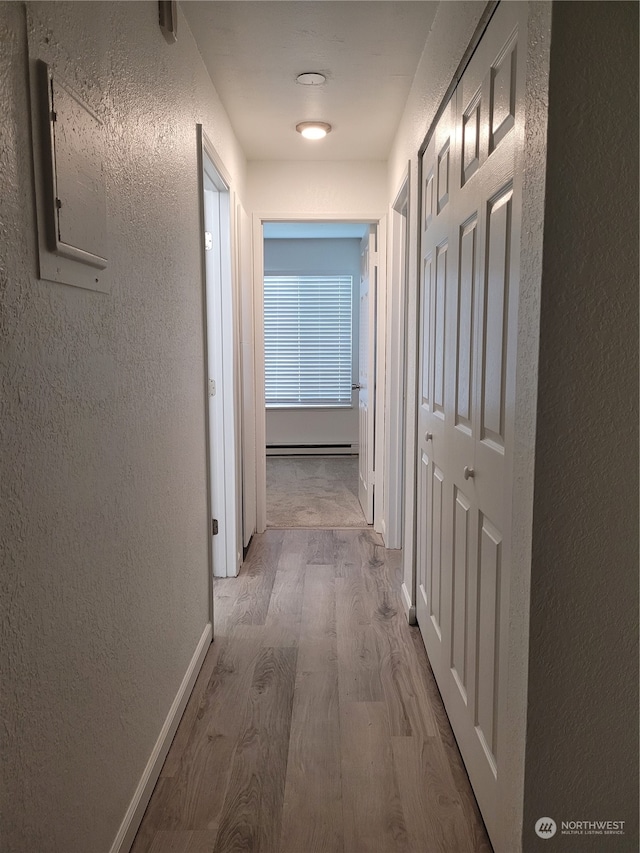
(214, 526)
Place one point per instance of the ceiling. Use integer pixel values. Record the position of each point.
(368, 52)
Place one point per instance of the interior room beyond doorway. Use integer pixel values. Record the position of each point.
(313, 491)
(312, 333)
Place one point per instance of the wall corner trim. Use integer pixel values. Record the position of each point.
(409, 608)
(133, 817)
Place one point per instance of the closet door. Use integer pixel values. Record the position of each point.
(438, 265)
(469, 353)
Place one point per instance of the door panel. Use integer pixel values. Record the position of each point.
(467, 345)
(471, 138)
(424, 530)
(428, 196)
(443, 175)
(503, 93)
(496, 284)
(436, 558)
(488, 639)
(440, 317)
(462, 568)
(465, 326)
(425, 333)
(423, 543)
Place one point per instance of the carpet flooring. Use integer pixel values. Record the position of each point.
(313, 491)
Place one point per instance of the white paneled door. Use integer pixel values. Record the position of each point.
(469, 283)
(367, 371)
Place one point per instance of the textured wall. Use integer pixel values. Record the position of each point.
(533, 155)
(582, 748)
(104, 589)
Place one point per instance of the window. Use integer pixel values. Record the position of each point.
(307, 340)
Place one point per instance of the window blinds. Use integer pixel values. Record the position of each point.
(307, 339)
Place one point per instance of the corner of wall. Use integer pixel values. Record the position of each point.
(582, 714)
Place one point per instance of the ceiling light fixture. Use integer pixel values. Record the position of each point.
(313, 129)
(311, 78)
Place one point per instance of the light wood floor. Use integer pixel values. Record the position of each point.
(315, 725)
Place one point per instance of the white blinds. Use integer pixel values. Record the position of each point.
(307, 340)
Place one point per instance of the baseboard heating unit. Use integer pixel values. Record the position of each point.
(312, 449)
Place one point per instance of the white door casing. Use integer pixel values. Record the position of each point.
(222, 381)
(394, 372)
(247, 371)
(381, 364)
(367, 372)
(469, 290)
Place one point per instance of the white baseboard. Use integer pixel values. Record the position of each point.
(409, 607)
(383, 531)
(132, 819)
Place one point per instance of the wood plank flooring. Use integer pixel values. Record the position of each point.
(315, 725)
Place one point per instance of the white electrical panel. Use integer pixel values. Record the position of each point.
(69, 168)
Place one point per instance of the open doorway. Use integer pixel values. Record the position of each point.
(317, 308)
(220, 346)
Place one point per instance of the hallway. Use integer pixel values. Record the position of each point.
(315, 725)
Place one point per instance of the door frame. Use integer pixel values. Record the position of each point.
(258, 293)
(397, 359)
(223, 488)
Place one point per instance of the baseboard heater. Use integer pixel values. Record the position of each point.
(312, 449)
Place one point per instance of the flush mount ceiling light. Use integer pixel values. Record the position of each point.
(311, 78)
(313, 129)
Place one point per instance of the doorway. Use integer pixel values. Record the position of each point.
(220, 346)
(318, 330)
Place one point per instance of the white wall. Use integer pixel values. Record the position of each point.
(316, 257)
(104, 586)
(332, 190)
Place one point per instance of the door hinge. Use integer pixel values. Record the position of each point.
(214, 526)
